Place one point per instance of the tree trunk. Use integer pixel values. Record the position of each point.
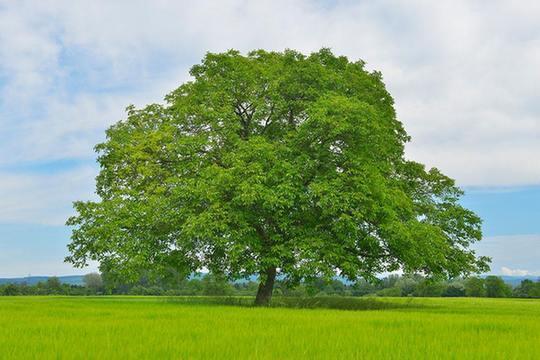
(266, 285)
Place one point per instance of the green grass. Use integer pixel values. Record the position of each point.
(199, 328)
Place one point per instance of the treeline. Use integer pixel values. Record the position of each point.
(211, 285)
(52, 286)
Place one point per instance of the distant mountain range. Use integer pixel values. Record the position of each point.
(32, 280)
(78, 279)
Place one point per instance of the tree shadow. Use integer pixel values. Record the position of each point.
(323, 302)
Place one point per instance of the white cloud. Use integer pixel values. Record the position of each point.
(43, 198)
(464, 74)
(28, 56)
(514, 272)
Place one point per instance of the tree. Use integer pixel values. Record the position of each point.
(496, 287)
(93, 282)
(11, 290)
(475, 287)
(455, 289)
(362, 287)
(53, 285)
(407, 285)
(216, 285)
(427, 288)
(271, 163)
(527, 288)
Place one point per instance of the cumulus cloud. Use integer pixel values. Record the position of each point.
(43, 198)
(514, 272)
(463, 74)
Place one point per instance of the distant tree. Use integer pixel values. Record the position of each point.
(496, 287)
(363, 287)
(527, 289)
(195, 286)
(524, 288)
(427, 288)
(138, 290)
(93, 282)
(454, 290)
(393, 292)
(323, 286)
(11, 290)
(289, 289)
(272, 163)
(245, 288)
(40, 288)
(25, 289)
(337, 287)
(216, 285)
(535, 290)
(53, 285)
(407, 285)
(475, 287)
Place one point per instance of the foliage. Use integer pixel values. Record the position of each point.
(217, 285)
(94, 282)
(475, 287)
(53, 285)
(496, 287)
(392, 292)
(527, 289)
(407, 284)
(454, 289)
(271, 163)
(428, 288)
(42, 288)
(10, 290)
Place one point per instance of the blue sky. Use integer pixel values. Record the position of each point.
(464, 78)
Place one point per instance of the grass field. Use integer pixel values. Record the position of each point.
(165, 328)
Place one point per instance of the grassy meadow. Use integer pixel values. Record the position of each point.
(203, 328)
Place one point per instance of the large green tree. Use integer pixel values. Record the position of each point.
(271, 163)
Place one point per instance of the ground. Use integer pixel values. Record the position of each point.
(184, 328)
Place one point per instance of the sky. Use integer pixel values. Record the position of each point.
(464, 76)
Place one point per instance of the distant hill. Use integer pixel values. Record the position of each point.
(32, 280)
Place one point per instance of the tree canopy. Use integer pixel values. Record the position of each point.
(271, 163)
